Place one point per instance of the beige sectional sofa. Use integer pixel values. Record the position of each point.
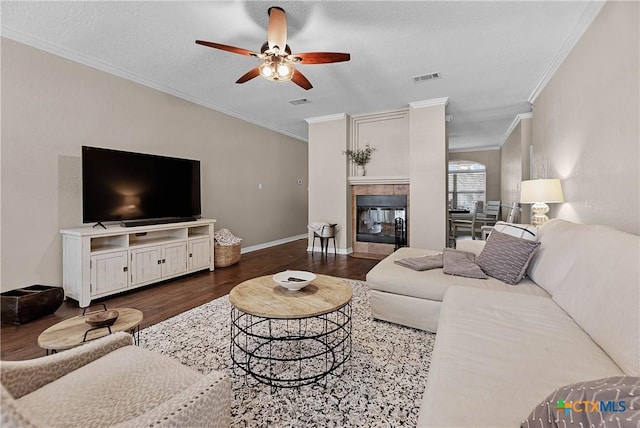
(501, 349)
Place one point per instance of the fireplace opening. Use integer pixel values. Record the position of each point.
(382, 219)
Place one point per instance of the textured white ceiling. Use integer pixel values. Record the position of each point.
(491, 54)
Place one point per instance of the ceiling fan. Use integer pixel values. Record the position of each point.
(277, 63)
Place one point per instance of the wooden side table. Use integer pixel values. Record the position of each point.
(286, 338)
(74, 332)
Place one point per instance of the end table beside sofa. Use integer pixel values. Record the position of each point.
(501, 349)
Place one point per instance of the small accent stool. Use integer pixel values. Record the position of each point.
(324, 231)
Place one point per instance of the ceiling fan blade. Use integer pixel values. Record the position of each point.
(299, 79)
(320, 57)
(254, 72)
(227, 48)
(277, 28)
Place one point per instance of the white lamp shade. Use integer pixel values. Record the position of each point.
(543, 190)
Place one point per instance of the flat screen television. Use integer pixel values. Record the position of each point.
(137, 188)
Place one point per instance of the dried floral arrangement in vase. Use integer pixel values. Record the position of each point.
(360, 157)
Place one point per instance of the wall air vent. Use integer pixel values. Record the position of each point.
(299, 101)
(425, 77)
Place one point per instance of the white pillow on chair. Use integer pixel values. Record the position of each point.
(524, 231)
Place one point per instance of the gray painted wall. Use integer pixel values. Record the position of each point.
(52, 106)
(586, 123)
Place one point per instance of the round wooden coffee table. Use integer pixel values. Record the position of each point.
(286, 338)
(75, 331)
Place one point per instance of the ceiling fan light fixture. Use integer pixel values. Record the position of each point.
(285, 70)
(266, 68)
(276, 60)
(276, 68)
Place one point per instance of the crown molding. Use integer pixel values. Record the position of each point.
(57, 50)
(474, 149)
(326, 118)
(430, 103)
(589, 13)
(516, 121)
(395, 113)
(357, 180)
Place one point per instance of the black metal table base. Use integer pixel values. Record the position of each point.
(289, 353)
(324, 244)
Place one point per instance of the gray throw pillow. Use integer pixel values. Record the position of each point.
(506, 257)
(461, 263)
(608, 402)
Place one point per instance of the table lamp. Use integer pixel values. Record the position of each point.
(539, 193)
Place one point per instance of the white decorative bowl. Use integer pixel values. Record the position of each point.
(294, 279)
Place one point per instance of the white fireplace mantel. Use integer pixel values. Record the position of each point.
(357, 180)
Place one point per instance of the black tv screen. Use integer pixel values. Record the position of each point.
(119, 186)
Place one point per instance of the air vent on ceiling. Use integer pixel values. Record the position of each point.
(299, 101)
(424, 77)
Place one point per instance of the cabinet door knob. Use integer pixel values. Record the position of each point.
(124, 269)
(159, 262)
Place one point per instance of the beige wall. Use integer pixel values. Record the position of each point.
(388, 134)
(419, 135)
(586, 123)
(329, 193)
(428, 176)
(52, 106)
(514, 160)
(491, 160)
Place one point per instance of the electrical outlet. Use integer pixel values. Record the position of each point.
(259, 186)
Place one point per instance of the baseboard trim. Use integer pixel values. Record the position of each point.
(272, 243)
(338, 250)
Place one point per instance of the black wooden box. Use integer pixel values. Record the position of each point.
(25, 304)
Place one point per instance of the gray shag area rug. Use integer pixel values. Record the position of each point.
(381, 384)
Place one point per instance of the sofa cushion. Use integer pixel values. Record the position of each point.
(600, 289)
(506, 257)
(118, 394)
(572, 405)
(498, 354)
(431, 284)
(557, 253)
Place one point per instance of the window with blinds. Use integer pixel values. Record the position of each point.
(467, 184)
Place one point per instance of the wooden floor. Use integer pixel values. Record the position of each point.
(165, 300)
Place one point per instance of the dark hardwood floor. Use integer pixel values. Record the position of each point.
(165, 300)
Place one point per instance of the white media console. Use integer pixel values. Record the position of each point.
(98, 262)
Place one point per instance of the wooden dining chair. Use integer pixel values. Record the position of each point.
(490, 216)
(456, 225)
(512, 214)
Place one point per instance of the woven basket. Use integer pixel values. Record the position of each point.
(226, 255)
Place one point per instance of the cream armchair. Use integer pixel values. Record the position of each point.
(110, 382)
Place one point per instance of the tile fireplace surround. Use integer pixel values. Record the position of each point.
(375, 189)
